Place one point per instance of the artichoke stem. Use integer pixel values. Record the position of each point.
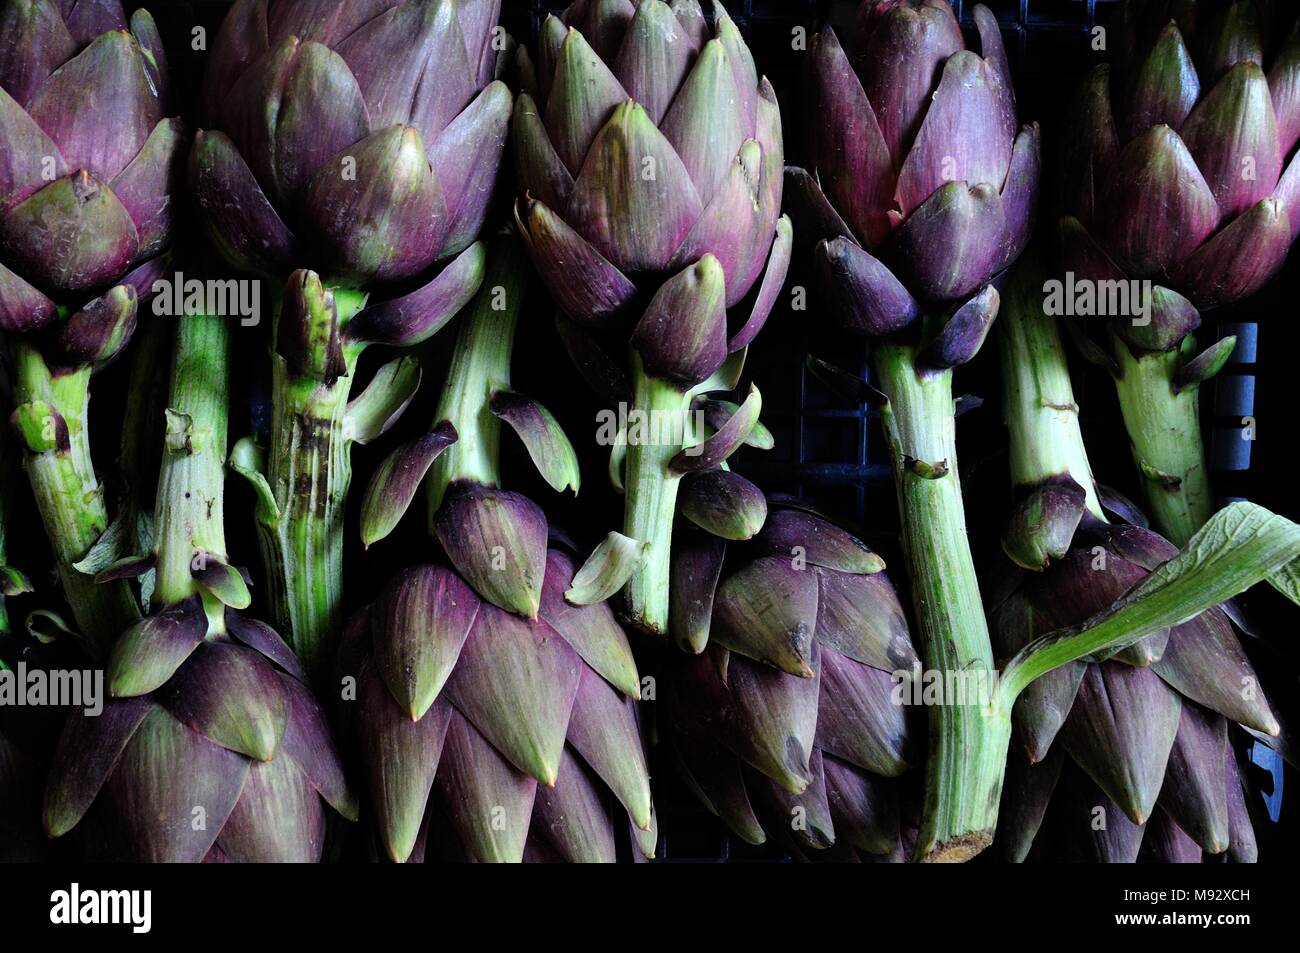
(969, 735)
(480, 366)
(656, 420)
(1164, 429)
(309, 470)
(1038, 401)
(70, 497)
(190, 508)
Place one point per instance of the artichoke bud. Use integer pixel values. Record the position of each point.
(963, 335)
(95, 334)
(1042, 525)
(40, 427)
(723, 503)
(1163, 319)
(307, 336)
(683, 333)
(496, 540)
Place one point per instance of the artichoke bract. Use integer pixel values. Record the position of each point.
(85, 217)
(1142, 732)
(491, 738)
(651, 156)
(359, 142)
(1182, 178)
(790, 723)
(921, 194)
(210, 747)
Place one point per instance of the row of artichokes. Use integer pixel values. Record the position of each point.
(349, 156)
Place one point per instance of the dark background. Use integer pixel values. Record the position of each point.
(825, 452)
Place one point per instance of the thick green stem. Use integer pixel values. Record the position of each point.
(968, 740)
(68, 493)
(1038, 404)
(480, 365)
(1164, 429)
(191, 479)
(659, 412)
(309, 471)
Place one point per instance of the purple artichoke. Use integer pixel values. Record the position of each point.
(787, 723)
(921, 189)
(1182, 166)
(652, 156)
(249, 762)
(1144, 732)
(489, 737)
(360, 138)
(85, 182)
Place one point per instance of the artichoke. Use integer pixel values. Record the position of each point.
(487, 737)
(1182, 174)
(85, 218)
(921, 194)
(502, 685)
(1148, 727)
(921, 190)
(790, 723)
(1137, 737)
(651, 154)
(211, 747)
(361, 140)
